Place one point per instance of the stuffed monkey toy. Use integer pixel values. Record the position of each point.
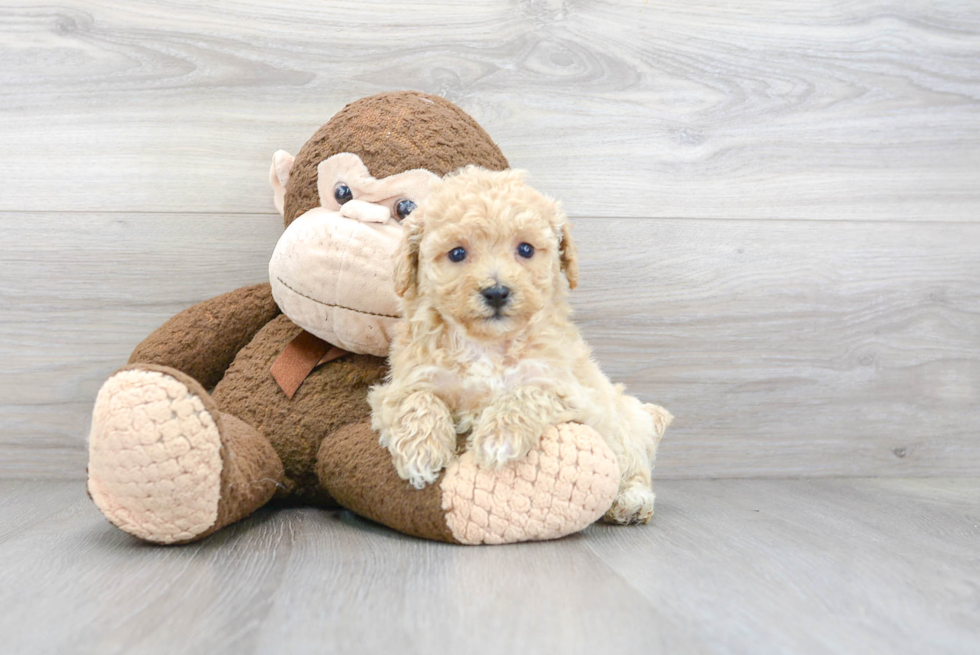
(261, 393)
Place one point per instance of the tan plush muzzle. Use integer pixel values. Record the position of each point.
(331, 275)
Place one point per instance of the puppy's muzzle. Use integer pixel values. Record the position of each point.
(496, 296)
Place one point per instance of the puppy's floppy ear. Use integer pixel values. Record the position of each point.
(407, 258)
(568, 255)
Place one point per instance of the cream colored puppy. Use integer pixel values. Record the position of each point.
(487, 347)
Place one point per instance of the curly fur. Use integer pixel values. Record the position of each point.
(501, 377)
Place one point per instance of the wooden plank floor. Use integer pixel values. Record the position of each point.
(728, 566)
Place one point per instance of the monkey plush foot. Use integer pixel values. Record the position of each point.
(563, 485)
(165, 465)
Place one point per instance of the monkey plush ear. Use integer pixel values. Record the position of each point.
(407, 258)
(569, 255)
(282, 163)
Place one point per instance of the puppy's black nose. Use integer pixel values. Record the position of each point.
(496, 296)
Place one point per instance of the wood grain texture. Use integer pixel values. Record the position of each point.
(783, 347)
(735, 566)
(760, 109)
(828, 566)
(793, 348)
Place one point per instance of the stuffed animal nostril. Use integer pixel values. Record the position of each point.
(496, 296)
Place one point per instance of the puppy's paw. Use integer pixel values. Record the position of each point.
(502, 438)
(419, 457)
(420, 462)
(633, 504)
(421, 439)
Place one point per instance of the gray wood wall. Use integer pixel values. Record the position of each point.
(777, 203)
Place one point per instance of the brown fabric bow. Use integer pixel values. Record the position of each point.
(298, 359)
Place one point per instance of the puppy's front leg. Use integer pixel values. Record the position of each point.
(418, 431)
(513, 424)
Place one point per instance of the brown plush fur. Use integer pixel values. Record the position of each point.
(202, 340)
(391, 133)
(332, 396)
(358, 473)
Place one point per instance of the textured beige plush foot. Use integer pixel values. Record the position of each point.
(154, 457)
(565, 483)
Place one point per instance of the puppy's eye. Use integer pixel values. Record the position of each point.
(342, 193)
(525, 250)
(403, 208)
(457, 254)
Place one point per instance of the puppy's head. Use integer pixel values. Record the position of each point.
(487, 252)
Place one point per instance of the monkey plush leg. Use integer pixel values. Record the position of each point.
(166, 466)
(563, 485)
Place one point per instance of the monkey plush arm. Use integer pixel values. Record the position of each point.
(202, 340)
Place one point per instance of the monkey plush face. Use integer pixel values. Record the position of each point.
(331, 272)
(343, 198)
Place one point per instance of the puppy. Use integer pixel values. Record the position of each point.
(486, 347)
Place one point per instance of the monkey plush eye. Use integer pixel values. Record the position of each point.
(457, 254)
(525, 250)
(342, 193)
(403, 208)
